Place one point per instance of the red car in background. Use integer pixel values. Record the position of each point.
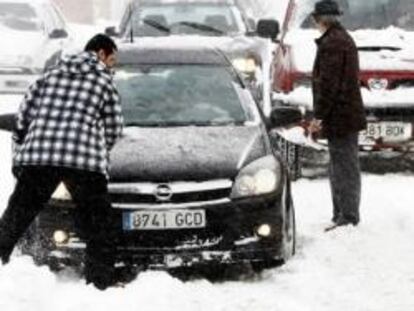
(384, 33)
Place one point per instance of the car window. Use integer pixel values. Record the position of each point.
(375, 14)
(181, 95)
(59, 22)
(19, 16)
(187, 18)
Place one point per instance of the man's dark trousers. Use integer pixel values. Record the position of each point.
(96, 222)
(345, 178)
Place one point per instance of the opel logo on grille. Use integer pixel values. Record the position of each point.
(163, 193)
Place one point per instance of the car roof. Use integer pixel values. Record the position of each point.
(171, 51)
(33, 2)
(166, 2)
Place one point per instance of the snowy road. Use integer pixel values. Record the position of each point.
(363, 269)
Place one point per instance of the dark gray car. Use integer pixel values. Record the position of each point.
(195, 180)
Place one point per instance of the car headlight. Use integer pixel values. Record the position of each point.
(61, 193)
(263, 176)
(245, 65)
(378, 84)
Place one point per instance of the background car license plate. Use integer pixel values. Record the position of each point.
(162, 220)
(388, 130)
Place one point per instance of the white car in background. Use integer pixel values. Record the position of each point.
(33, 34)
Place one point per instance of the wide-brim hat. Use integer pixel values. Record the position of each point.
(327, 7)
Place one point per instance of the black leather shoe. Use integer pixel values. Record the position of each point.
(5, 259)
(341, 223)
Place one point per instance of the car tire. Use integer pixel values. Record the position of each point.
(289, 243)
(260, 266)
(293, 159)
(289, 240)
(291, 154)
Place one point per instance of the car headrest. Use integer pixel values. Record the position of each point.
(217, 21)
(157, 18)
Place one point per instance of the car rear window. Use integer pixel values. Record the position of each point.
(186, 18)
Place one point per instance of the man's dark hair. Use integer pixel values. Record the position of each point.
(326, 20)
(101, 42)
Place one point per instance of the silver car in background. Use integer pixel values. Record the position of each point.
(33, 34)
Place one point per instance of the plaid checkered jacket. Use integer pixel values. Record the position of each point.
(71, 117)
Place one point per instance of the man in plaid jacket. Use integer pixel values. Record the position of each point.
(67, 123)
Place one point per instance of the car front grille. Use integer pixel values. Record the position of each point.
(177, 240)
(174, 195)
(130, 195)
(176, 198)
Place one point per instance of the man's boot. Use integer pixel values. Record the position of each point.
(6, 246)
(5, 252)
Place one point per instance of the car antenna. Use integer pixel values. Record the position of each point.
(234, 71)
(131, 16)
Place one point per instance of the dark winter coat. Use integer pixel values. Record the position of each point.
(336, 88)
(71, 117)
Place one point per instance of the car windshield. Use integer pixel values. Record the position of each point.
(181, 95)
(375, 14)
(186, 19)
(19, 16)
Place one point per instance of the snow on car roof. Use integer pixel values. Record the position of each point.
(32, 2)
(171, 50)
(402, 59)
(223, 2)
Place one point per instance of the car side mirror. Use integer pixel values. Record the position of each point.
(268, 28)
(111, 31)
(285, 116)
(58, 34)
(251, 27)
(251, 23)
(7, 122)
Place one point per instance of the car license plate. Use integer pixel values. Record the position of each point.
(163, 220)
(389, 131)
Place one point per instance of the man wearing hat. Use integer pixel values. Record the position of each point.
(339, 114)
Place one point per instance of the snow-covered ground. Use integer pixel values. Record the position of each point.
(369, 268)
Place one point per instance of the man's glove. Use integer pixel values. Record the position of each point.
(18, 137)
(17, 171)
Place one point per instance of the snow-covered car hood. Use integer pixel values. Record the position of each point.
(384, 60)
(22, 49)
(185, 153)
(237, 46)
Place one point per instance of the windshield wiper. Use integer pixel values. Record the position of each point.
(224, 123)
(183, 124)
(378, 48)
(138, 124)
(157, 124)
(156, 25)
(202, 27)
(211, 123)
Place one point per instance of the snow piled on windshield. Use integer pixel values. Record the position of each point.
(325, 275)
